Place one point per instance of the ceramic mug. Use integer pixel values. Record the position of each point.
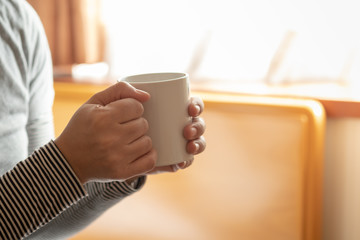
(166, 113)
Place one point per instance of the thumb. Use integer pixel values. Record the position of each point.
(116, 92)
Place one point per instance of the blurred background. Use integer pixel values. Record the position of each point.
(281, 83)
(240, 41)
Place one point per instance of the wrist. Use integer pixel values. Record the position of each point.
(62, 148)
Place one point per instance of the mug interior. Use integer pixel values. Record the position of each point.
(155, 77)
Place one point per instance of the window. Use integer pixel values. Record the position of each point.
(235, 40)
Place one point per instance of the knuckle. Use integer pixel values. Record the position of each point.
(202, 144)
(133, 107)
(98, 115)
(199, 123)
(144, 123)
(152, 157)
(95, 98)
(147, 142)
(121, 84)
(139, 108)
(201, 128)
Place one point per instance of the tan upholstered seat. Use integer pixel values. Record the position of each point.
(259, 178)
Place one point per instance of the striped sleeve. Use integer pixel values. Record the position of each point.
(115, 190)
(35, 191)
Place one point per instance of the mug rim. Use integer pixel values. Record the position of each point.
(149, 77)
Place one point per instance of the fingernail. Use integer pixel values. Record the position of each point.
(193, 132)
(197, 147)
(198, 108)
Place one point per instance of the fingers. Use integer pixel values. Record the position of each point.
(143, 164)
(195, 129)
(196, 146)
(184, 165)
(139, 158)
(133, 130)
(172, 168)
(116, 92)
(139, 147)
(125, 110)
(196, 106)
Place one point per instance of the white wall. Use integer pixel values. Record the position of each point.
(342, 180)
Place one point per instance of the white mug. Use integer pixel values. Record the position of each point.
(166, 113)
